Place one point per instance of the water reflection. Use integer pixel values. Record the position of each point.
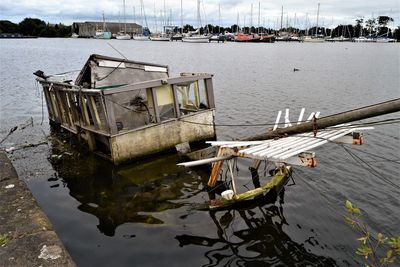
(260, 241)
(250, 235)
(117, 195)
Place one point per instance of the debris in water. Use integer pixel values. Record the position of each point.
(9, 150)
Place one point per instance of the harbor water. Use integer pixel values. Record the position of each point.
(147, 213)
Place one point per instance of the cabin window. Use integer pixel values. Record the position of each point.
(192, 97)
(165, 102)
(132, 109)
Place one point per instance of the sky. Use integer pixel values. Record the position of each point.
(332, 12)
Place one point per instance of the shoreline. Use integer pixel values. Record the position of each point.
(27, 237)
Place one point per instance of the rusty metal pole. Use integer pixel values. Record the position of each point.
(344, 117)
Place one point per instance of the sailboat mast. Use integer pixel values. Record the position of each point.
(251, 18)
(181, 18)
(237, 23)
(155, 17)
(104, 23)
(165, 18)
(124, 19)
(219, 17)
(317, 21)
(281, 18)
(306, 25)
(258, 26)
(198, 14)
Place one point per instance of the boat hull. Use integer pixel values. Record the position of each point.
(313, 40)
(123, 37)
(157, 138)
(103, 35)
(141, 38)
(196, 39)
(275, 185)
(246, 38)
(160, 39)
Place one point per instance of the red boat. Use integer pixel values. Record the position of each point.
(242, 37)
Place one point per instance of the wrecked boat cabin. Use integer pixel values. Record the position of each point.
(127, 109)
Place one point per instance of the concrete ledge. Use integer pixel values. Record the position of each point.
(27, 237)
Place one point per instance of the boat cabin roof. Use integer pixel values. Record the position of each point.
(103, 72)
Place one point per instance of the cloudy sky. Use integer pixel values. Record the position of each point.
(332, 12)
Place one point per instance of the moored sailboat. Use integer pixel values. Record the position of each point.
(196, 37)
(102, 33)
(123, 35)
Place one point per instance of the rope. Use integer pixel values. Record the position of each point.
(131, 109)
(100, 79)
(370, 168)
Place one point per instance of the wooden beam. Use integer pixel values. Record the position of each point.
(85, 113)
(93, 112)
(186, 79)
(58, 116)
(135, 86)
(210, 93)
(340, 118)
(216, 169)
(155, 104)
(176, 101)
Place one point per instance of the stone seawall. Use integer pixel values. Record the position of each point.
(27, 237)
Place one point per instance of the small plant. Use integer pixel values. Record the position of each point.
(372, 247)
(4, 239)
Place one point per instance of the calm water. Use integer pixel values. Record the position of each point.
(146, 213)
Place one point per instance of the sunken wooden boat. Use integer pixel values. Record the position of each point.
(127, 109)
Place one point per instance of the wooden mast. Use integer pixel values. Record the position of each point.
(387, 107)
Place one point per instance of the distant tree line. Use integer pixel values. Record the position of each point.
(369, 27)
(35, 27)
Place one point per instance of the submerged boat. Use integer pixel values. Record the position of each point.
(126, 109)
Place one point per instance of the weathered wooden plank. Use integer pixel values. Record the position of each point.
(74, 106)
(61, 107)
(93, 112)
(135, 86)
(186, 79)
(65, 101)
(155, 104)
(216, 169)
(58, 116)
(98, 101)
(176, 101)
(210, 93)
(83, 106)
